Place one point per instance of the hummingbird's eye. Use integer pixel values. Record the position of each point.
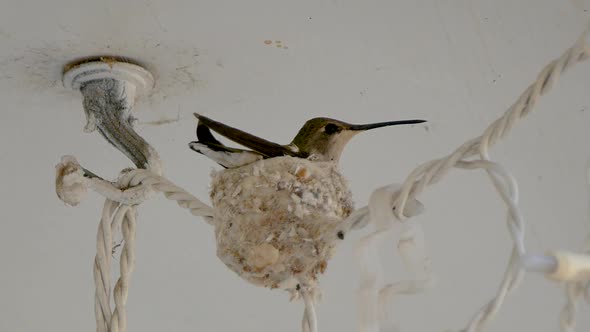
(331, 128)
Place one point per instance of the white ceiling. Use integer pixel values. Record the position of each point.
(458, 64)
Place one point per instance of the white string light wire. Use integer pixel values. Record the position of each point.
(388, 209)
(119, 211)
(575, 290)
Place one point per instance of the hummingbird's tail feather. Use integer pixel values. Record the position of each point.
(225, 156)
(206, 137)
(267, 148)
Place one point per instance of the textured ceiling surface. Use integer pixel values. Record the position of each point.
(266, 67)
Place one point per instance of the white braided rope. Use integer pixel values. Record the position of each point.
(139, 177)
(372, 298)
(115, 216)
(126, 266)
(119, 212)
(141, 181)
(102, 264)
(433, 171)
(309, 323)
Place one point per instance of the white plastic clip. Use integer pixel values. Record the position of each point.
(570, 266)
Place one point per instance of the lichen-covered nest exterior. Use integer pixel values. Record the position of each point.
(275, 219)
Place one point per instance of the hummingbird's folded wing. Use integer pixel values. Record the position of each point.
(260, 145)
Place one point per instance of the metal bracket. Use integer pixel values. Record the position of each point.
(109, 88)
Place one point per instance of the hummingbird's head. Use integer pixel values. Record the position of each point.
(325, 138)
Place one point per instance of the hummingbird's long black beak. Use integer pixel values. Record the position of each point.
(383, 124)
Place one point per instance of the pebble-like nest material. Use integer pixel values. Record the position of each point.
(275, 219)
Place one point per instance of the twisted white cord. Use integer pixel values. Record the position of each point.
(115, 215)
(127, 265)
(374, 295)
(144, 178)
(141, 182)
(119, 211)
(371, 298)
(132, 188)
(433, 171)
(309, 322)
(102, 266)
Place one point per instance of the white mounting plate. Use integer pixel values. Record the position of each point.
(84, 72)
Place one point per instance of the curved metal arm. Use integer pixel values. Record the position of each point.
(107, 104)
(109, 87)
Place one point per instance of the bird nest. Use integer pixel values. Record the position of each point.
(276, 219)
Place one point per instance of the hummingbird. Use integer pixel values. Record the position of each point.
(320, 139)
